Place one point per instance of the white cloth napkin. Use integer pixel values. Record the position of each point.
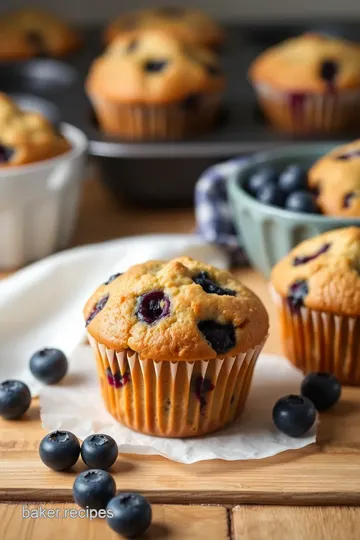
(41, 306)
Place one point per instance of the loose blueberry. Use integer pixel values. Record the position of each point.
(155, 66)
(329, 70)
(99, 451)
(293, 178)
(203, 279)
(348, 199)
(94, 489)
(201, 387)
(15, 399)
(59, 450)
(6, 153)
(323, 390)
(49, 365)
(294, 415)
(303, 259)
(261, 178)
(271, 195)
(191, 102)
(112, 278)
(301, 201)
(130, 514)
(221, 337)
(297, 294)
(117, 380)
(152, 306)
(97, 308)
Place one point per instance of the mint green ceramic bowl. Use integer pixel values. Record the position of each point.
(268, 233)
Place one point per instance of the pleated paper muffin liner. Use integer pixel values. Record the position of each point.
(301, 112)
(173, 399)
(147, 122)
(320, 341)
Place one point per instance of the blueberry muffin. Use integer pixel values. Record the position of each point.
(335, 178)
(317, 289)
(309, 84)
(31, 32)
(188, 25)
(175, 344)
(26, 137)
(148, 85)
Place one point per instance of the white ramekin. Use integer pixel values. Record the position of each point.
(38, 203)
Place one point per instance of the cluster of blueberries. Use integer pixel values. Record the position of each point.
(129, 513)
(288, 189)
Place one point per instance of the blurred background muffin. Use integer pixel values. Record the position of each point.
(26, 137)
(149, 85)
(189, 25)
(32, 32)
(317, 289)
(335, 179)
(309, 84)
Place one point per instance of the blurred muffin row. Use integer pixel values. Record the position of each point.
(33, 32)
(159, 77)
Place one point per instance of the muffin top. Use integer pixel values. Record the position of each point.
(188, 25)
(336, 180)
(32, 32)
(153, 67)
(177, 310)
(322, 273)
(26, 137)
(311, 62)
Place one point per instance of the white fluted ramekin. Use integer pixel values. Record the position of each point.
(38, 203)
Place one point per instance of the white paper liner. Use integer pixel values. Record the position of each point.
(168, 121)
(320, 341)
(328, 111)
(160, 398)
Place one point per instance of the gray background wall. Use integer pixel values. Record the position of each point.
(90, 10)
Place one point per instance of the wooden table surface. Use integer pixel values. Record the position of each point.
(101, 218)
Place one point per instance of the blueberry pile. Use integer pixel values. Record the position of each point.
(288, 190)
(294, 414)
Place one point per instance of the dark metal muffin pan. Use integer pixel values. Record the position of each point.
(165, 173)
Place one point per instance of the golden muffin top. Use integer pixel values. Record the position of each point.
(322, 273)
(310, 62)
(153, 67)
(26, 137)
(188, 25)
(336, 179)
(32, 32)
(177, 310)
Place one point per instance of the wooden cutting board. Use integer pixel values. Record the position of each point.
(323, 473)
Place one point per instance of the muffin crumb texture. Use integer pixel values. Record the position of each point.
(322, 273)
(177, 310)
(26, 137)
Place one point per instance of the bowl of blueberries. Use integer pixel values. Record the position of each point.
(273, 207)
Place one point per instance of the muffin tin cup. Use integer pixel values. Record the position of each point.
(307, 113)
(158, 122)
(174, 399)
(320, 341)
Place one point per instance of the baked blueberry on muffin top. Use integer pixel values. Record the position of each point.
(336, 179)
(177, 310)
(26, 137)
(32, 32)
(322, 273)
